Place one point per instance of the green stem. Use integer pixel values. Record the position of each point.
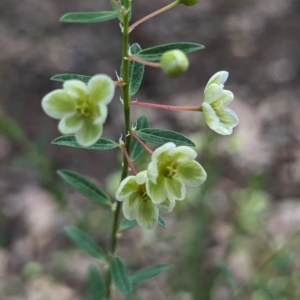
(126, 101)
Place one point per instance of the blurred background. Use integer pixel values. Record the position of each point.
(236, 237)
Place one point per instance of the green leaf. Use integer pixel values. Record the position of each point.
(127, 224)
(155, 53)
(120, 276)
(136, 71)
(161, 221)
(84, 186)
(96, 285)
(70, 141)
(84, 242)
(136, 150)
(89, 17)
(65, 77)
(115, 8)
(149, 272)
(162, 136)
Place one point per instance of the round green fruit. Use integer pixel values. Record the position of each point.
(174, 62)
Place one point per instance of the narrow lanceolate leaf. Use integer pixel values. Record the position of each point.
(95, 284)
(127, 224)
(136, 150)
(161, 221)
(155, 53)
(84, 186)
(70, 141)
(89, 17)
(120, 276)
(84, 242)
(149, 272)
(162, 136)
(65, 77)
(136, 71)
(115, 8)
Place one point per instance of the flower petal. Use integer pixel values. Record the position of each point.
(130, 206)
(227, 97)
(152, 171)
(147, 214)
(101, 89)
(89, 133)
(58, 104)
(227, 116)
(210, 116)
(191, 173)
(126, 187)
(100, 114)
(70, 125)
(167, 206)
(162, 152)
(183, 153)
(213, 93)
(218, 78)
(76, 88)
(175, 188)
(157, 192)
(224, 129)
(141, 177)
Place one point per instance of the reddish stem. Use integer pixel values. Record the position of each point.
(132, 133)
(131, 166)
(155, 13)
(167, 107)
(144, 62)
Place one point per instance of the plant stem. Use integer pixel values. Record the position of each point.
(167, 107)
(130, 164)
(141, 142)
(144, 62)
(155, 13)
(126, 103)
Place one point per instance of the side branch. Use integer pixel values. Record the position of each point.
(155, 13)
(132, 133)
(144, 62)
(131, 166)
(167, 107)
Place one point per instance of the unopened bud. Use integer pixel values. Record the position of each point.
(189, 2)
(174, 62)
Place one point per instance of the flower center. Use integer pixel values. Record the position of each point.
(143, 194)
(168, 169)
(84, 108)
(217, 105)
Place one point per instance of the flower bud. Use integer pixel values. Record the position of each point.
(174, 62)
(189, 2)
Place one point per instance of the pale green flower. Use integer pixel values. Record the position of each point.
(137, 203)
(171, 170)
(217, 115)
(81, 108)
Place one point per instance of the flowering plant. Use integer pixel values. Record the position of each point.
(81, 107)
